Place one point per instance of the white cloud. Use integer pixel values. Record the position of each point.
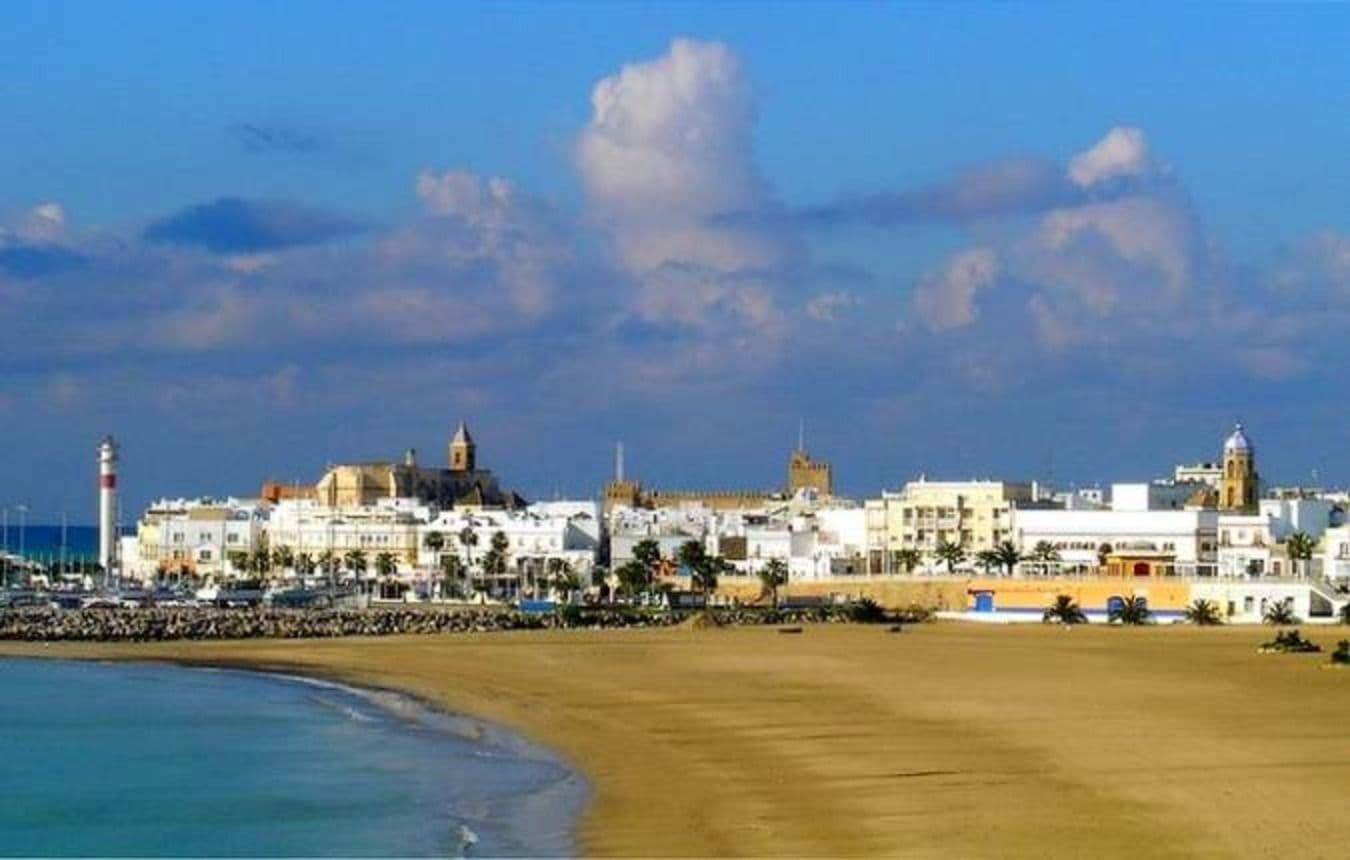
(45, 222)
(827, 307)
(1122, 153)
(946, 300)
(666, 157)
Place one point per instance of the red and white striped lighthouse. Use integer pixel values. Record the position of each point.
(107, 502)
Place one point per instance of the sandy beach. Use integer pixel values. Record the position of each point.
(944, 740)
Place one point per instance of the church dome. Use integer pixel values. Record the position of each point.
(1237, 442)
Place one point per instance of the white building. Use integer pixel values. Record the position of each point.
(196, 536)
(1252, 544)
(1183, 541)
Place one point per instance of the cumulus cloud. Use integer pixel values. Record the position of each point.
(233, 225)
(667, 153)
(827, 307)
(1122, 153)
(946, 299)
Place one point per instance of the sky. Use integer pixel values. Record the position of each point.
(1063, 241)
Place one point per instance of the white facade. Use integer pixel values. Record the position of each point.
(1189, 538)
(1152, 496)
(197, 536)
(555, 531)
(814, 538)
(1252, 544)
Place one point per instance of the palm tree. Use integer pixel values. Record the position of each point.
(1281, 612)
(692, 555)
(988, 559)
(634, 578)
(1203, 613)
(648, 554)
(1064, 611)
(283, 557)
(703, 568)
(238, 560)
(1008, 556)
(950, 554)
(1300, 547)
(434, 541)
(385, 564)
(355, 560)
(1131, 610)
(773, 576)
(468, 538)
(453, 570)
(1104, 551)
(1045, 554)
(907, 559)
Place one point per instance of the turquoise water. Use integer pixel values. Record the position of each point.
(144, 760)
(43, 543)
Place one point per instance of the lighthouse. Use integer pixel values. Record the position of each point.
(107, 502)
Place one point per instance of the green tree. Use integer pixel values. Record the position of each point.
(452, 571)
(704, 569)
(648, 554)
(1131, 610)
(1203, 613)
(434, 541)
(1045, 554)
(238, 559)
(1281, 612)
(304, 563)
(1008, 556)
(907, 559)
(634, 577)
(1300, 547)
(773, 576)
(283, 557)
(1104, 551)
(385, 565)
(355, 561)
(988, 559)
(1064, 611)
(468, 538)
(950, 554)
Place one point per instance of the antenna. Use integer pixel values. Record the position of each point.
(618, 461)
(801, 434)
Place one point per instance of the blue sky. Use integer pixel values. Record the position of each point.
(251, 238)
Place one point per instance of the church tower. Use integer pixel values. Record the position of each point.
(1238, 487)
(463, 456)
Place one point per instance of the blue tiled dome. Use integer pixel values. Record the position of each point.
(1237, 441)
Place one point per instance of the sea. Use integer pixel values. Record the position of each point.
(127, 759)
(43, 542)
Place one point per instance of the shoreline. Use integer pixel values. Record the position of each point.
(967, 740)
(528, 809)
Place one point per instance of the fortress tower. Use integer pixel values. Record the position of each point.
(1238, 486)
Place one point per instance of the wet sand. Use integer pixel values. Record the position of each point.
(944, 740)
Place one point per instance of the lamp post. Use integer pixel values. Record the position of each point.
(23, 524)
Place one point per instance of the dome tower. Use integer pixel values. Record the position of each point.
(1238, 487)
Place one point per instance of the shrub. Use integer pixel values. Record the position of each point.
(866, 611)
(1341, 656)
(1289, 642)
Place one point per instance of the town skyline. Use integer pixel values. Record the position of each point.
(956, 241)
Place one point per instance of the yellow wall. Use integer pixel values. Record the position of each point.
(1090, 594)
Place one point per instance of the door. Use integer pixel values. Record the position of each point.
(984, 601)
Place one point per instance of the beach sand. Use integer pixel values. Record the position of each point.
(948, 739)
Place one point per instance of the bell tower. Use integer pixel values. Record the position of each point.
(463, 456)
(1238, 486)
